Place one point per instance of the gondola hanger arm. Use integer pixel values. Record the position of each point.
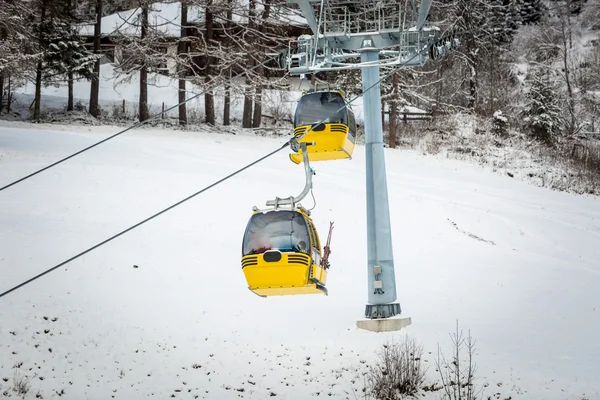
(309, 172)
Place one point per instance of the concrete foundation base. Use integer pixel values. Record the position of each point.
(384, 324)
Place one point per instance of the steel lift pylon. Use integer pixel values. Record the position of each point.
(384, 33)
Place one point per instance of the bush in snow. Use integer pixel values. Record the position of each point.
(457, 373)
(398, 373)
(19, 386)
(542, 109)
(499, 124)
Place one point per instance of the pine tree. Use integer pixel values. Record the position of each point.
(531, 11)
(542, 111)
(62, 49)
(18, 46)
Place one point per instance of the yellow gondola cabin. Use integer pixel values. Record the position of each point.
(322, 120)
(281, 254)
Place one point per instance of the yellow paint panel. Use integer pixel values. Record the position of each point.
(320, 274)
(328, 145)
(289, 276)
(282, 276)
(312, 289)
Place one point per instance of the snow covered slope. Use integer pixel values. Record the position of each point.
(517, 265)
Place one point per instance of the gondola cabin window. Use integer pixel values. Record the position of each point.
(284, 230)
(351, 126)
(316, 246)
(326, 107)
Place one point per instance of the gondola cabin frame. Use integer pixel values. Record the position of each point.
(325, 120)
(274, 261)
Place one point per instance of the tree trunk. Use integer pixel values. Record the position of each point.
(9, 96)
(393, 114)
(209, 99)
(70, 91)
(182, 49)
(95, 87)
(38, 91)
(3, 36)
(38, 74)
(70, 73)
(247, 113)
(472, 87)
(227, 101)
(565, 49)
(1, 91)
(492, 78)
(257, 117)
(143, 108)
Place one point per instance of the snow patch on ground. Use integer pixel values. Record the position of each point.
(164, 310)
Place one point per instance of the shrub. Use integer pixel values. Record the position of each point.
(398, 373)
(458, 373)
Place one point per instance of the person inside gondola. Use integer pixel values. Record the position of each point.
(260, 243)
(333, 103)
(282, 231)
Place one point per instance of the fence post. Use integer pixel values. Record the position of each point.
(163, 110)
(123, 107)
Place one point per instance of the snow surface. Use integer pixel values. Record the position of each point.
(516, 264)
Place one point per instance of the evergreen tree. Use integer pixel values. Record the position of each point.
(531, 11)
(542, 109)
(18, 46)
(62, 49)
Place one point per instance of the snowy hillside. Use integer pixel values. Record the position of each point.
(164, 311)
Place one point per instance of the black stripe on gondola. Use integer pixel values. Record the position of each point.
(299, 259)
(299, 132)
(249, 261)
(338, 128)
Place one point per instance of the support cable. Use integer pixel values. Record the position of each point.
(144, 221)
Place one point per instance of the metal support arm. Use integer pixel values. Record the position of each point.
(309, 172)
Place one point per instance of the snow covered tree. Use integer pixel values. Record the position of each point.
(143, 49)
(542, 111)
(248, 95)
(531, 11)
(95, 84)
(19, 50)
(182, 49)
(590, 15)
(62, 49)
(227, 97)
(209, 98)
(499, 124)
(261, 35)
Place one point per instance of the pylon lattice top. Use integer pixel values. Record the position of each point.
(342, 29)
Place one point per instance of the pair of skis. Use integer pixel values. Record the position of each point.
(327, 250)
